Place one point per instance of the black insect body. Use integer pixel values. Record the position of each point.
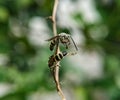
(55, 58)
(53, 43)
(62, 38)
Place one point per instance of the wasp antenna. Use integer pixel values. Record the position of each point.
(74, 43)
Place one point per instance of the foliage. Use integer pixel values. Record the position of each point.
(26, 68)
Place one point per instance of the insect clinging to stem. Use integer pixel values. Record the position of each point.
(64, 38)
(55, 58)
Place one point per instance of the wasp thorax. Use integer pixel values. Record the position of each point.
(60, 38)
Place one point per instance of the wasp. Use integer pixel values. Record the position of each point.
(64, 38)
(55, 58)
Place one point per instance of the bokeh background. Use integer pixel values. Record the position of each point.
(92, 74)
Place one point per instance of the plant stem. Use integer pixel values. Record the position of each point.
(57, 50)
(54, 17)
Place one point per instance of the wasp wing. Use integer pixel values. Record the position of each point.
(52, 38)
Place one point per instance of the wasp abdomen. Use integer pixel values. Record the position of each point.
(59, 57)
(51, 61)
(52, 46)
(55, 58)
(53, 43)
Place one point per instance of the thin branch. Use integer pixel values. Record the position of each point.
(54, 17)
(56, 78)
(56, 75)
(57, 50)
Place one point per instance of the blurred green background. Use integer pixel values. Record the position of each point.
(24, 53)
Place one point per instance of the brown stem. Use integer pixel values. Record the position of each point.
(57, 50)
(56, 78)
(54, 17)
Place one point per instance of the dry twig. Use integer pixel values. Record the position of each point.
(57, 50)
